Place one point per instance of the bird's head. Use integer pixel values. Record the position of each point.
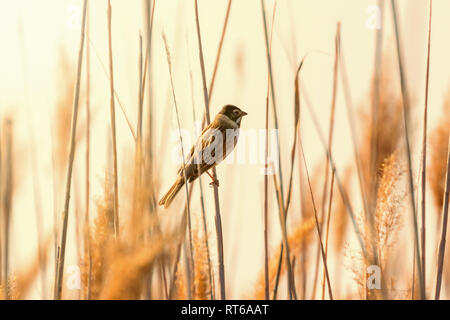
(233, 113)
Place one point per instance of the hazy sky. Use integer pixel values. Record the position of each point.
(35, 33)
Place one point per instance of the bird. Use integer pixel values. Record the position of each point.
(213, 145)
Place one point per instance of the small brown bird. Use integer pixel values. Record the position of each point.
(214, 144)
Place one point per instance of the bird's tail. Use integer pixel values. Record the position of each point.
(170, 195)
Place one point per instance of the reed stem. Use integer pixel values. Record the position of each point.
(61, 250)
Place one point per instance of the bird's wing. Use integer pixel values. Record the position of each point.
(206, 138)
(200, 138)
(203, 153)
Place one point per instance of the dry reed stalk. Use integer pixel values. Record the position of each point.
(442, 243)
(378, 143)
(140, 90)
(218, 56)
(307, 210)
(291, 287)
(138, 159)
(146, 67)
(219, 51)
(330, 146)
(365, 158)
(217, 218)
(406, 118)
(296, 126)
(376, 84)
(358, 156)
(340, 215)
(211, 86)
(174, 284)
(63, 113)
(317, 224)
(424, 151)
(3, 283)
(116, 95)
(87, 231)
(188, 210)
(147, 166)
(294, 145)
(149, 152)
(202, 202)
(266, 167)
(113, 124)
(266, 202)
(282, 213)
(342, 191)
(6, 193)
(62, 246)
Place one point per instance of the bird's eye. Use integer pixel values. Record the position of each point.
(236, 112)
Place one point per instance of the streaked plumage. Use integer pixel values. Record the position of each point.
(202, 156)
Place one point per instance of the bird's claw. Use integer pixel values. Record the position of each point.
(214, 183)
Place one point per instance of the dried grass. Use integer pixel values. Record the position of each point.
(438, 159)
(299, 238)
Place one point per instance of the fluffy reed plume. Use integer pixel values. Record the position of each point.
(339, 216)
(63, 111)
(299, 238)
(202, 288)
(387, 132)
(389, 209)
(438, 161)
(388, 222)
(101, 237)
(128, 266)
(20, 283)
(119, 268)
(180, 283)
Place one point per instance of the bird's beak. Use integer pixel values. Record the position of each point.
(243, 113)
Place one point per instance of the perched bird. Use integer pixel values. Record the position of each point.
(215, 143)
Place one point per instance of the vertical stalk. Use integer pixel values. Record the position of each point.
(189, 257)
(219, 51)
(424, 152)
(88, 152)
(217, 218)
(406, 118)
(61, 250)
(319, 233)
(444, 228)
(266, 168)
(6, 196)
(113, 124)
(330, 145)
(282, 213)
